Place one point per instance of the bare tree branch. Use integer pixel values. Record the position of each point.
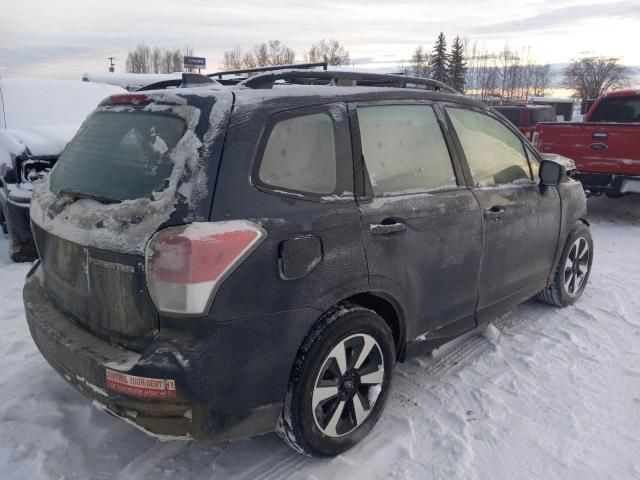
(330, 51)
(590, 77)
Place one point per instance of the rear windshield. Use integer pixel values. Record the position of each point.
(617, 109)
(512, 114)
(542, 115)
(118, 156)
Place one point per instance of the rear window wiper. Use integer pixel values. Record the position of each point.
(78, 194)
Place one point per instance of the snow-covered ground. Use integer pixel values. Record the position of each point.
(555, 396)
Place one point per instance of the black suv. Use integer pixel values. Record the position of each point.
(225, 261)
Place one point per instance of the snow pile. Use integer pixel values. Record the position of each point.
(491, 333)
(559, 399)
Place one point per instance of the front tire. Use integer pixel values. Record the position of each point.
(3, 221)
(339, 383)
(20, 250)
(573, 270)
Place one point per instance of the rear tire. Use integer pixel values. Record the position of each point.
(339, 383)
(573, 270)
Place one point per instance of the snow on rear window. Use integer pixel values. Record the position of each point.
(118, 156)
(126, 226)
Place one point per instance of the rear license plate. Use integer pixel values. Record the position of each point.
(140, 386)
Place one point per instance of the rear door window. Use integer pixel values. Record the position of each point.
(300, 155)
(494, 153)
(118, 156)
(404, 150)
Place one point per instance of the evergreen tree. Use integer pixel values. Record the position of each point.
(438, 63)
(457, 69)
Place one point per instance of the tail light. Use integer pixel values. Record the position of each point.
(134, 99)
(535, 139)
(186, 265)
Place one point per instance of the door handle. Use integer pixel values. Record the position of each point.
(495, 211)
(600, 136)
(387, 228)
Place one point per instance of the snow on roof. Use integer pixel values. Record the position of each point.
(129, 81)
(43, 115)
(29, 103)
(552, 100)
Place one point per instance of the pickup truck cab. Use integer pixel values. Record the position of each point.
(605, 147)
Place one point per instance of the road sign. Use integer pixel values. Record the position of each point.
(197, 62)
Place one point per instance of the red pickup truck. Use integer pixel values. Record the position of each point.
(605, 147)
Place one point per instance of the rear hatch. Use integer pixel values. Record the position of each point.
(139, 163)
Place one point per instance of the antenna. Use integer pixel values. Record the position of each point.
(111, 64)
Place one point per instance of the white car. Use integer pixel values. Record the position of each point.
(37, 120)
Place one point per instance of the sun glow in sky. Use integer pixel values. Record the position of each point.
(64, 38)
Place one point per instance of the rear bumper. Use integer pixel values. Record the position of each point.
(178, 410)
(608, 183)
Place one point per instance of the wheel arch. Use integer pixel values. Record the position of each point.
(390, 311)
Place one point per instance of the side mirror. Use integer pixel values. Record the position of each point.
(551, 174)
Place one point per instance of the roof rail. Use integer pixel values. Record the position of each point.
(187, 80)
(296, 66)
(332, 77)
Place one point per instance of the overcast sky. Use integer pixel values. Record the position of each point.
(64, 38)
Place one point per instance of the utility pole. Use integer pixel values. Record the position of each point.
(111, 64)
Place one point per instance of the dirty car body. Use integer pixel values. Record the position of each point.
(220, 369)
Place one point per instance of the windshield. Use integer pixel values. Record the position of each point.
(617, 109)
(118, 156)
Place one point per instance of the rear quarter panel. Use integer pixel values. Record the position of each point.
(258, 318)
(257, 287)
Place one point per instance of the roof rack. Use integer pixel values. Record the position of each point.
(295, 66)
(187, 80)
(338, 77)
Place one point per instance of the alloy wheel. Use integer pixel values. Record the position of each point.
(576, 266)
(348, 385)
